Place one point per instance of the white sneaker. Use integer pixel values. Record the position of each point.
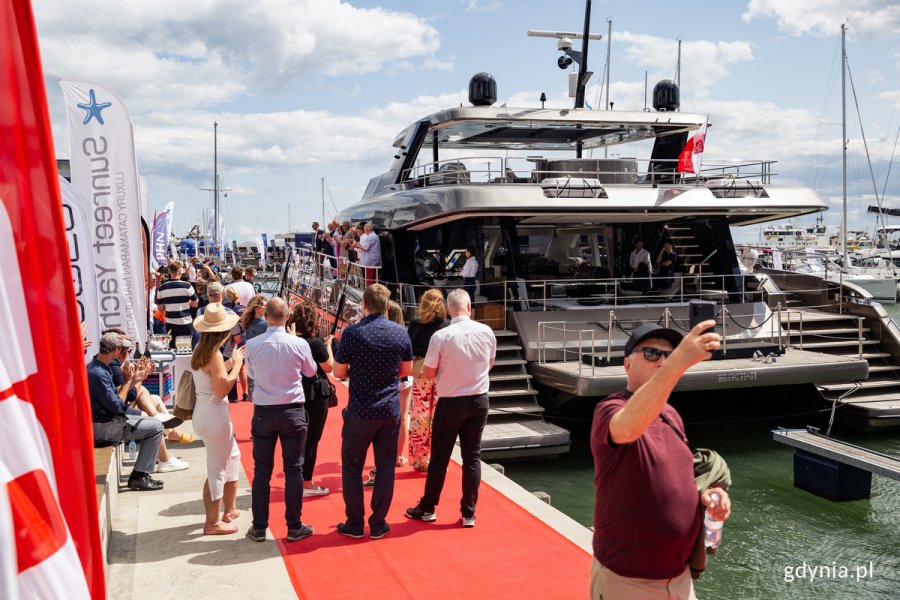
(468, 521)
(316, 490)
(173, 464)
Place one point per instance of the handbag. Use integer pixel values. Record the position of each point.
(185, 396)
(323, 388)
(110, 430)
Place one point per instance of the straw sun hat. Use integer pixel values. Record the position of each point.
(215, 318)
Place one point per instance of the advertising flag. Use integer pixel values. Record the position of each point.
(49, 533)
(104, 172)
(159, 240)
(81, 258)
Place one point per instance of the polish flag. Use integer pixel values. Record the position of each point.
(49, 531)
(692, 154)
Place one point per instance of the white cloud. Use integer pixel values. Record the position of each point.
(824, 17)
(483, 6)
(703, 62)
(207, 52)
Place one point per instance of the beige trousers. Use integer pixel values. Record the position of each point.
(606, 585)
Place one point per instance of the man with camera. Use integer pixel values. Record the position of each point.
(647, 513)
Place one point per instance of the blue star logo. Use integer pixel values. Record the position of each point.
(93, 109)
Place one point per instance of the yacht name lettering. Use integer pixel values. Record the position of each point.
(737, 377)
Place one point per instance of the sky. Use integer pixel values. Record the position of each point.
(306, 90)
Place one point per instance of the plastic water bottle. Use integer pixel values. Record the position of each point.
(132, 450)
(713, 527)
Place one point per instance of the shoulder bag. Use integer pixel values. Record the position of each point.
(323, 388)
(185, 396)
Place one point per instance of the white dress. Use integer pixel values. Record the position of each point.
(212, 422)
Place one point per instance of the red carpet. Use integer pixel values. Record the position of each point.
(509, 554)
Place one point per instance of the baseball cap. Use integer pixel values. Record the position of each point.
(649, 331)
(113, 341)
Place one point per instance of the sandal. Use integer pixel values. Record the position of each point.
(231, 516)
(218, 529)
(181, 438)
(402, 461)
(371, 480)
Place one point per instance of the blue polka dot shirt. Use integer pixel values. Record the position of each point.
(374, 349)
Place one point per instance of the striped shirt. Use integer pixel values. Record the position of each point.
(176, 296)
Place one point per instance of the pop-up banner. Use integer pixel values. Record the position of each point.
(104, 172)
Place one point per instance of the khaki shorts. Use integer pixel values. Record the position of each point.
(606, 585)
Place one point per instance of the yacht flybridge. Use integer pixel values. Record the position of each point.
(554, 201)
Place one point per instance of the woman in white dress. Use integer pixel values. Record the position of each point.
(213, 378)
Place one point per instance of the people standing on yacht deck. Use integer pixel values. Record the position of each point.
(375, 353)
(431, 318)
(369, 250)
(178, 297)
(214, 378)
(278, 361)
(647, 513)
(667, 262)
(469, 271)
(641, 266)
(459, 356)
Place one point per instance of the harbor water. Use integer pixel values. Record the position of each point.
(780, 542)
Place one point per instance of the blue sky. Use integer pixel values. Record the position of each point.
(306, 89)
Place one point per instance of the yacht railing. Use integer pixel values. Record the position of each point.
(537, 169)
(313, 277)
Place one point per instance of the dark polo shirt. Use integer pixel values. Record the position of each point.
(646, 511)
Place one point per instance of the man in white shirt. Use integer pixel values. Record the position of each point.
(369, 250)
(459, 357)
(277, 361)
(244, 290)
(641, 266)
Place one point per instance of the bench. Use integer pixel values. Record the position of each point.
(107, 477)
(834, 469)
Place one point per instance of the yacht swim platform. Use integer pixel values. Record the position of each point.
(793, 367)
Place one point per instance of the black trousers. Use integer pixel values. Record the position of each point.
(176, 330)
(465, 417)
(285, 422)
(316, 414)
(356, 436)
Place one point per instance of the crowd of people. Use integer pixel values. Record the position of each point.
(396, 375)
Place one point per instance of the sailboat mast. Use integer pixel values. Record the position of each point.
(215, 188)
(323, 203)
(844, 143)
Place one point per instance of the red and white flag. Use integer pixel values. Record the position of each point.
(692, 154)
(49, 532)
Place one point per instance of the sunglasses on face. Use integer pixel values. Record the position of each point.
(654, 354)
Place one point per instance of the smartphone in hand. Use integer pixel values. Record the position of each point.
(701, 310)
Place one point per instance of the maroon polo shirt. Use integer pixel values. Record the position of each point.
(646, 507)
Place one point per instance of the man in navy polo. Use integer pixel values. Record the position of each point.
(375, 353)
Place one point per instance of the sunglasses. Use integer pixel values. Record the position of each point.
(653, 354)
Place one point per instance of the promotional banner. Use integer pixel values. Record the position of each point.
(81, 258)
(49, 533)
(261, 247)
(162, 230)
(104, 173)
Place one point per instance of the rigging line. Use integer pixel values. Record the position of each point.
(890, 163)
(880, 216)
